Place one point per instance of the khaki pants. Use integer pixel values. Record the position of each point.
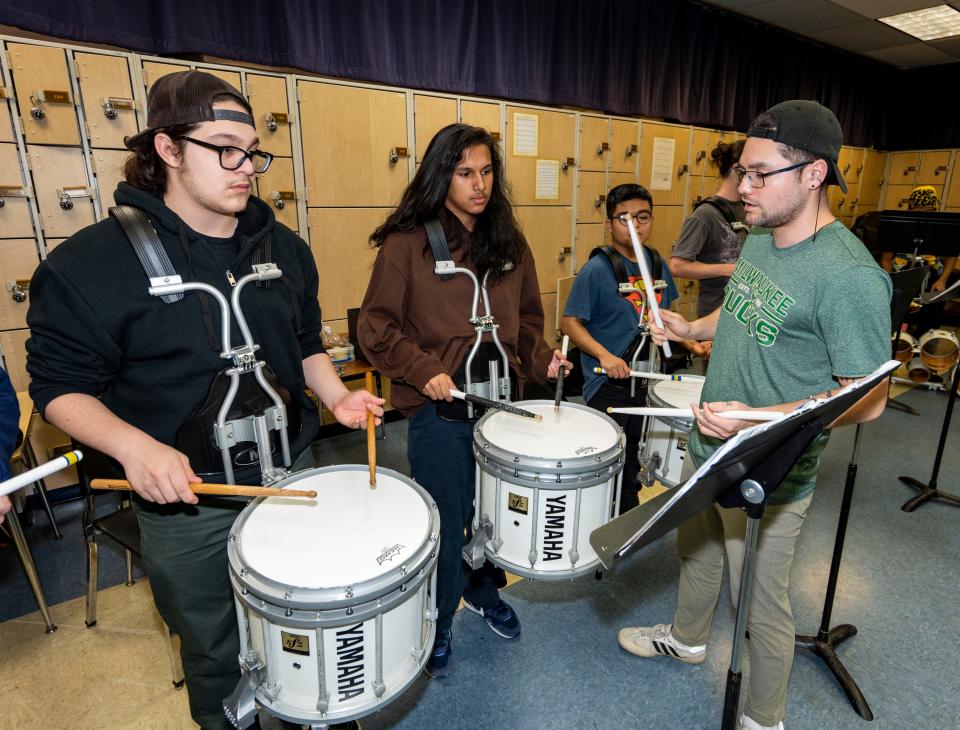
(701, 542)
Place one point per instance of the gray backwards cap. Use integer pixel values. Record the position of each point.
(186, 97)
(807, 126)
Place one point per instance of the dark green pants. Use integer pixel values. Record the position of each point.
(184, 551)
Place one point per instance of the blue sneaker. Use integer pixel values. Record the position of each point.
(439, 664)
(501, 619)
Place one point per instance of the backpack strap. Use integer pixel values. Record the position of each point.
(726, 209)
(146, 244)
(438, 244)
(620, 268)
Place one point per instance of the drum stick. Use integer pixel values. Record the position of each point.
(9, 486)
(222, 490)
(687, 413)
(499, 405)
(658, 376)
(647, 281)
(563, 356)
(371, 435)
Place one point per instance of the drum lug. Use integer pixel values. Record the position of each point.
(323, 704)
(574, 557)
(647, 468)
(379, 688)
(473, 553)
(271, 691)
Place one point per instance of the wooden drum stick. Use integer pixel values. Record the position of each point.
(371, 435)
(223, 490)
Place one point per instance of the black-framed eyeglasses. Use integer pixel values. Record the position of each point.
(644, 216)
(757, 178)
(232, 158)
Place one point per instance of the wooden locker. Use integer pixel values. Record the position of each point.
(667, 222)
(13, 347)
(589, 236)
(49, 442)
(277, 190)
(673, 171)
(903, 168)
(108, 166)
(848, 210)
(52, 243)
(41, 78)
(934, 166)
(624, 146)
(547, 229)
(896, 196)
(851, 165)
(621, 178)
(354, 145)
(231, 77)
(18, 260)
(271, 113)
(481, 114)
(152, 70)
(594, 152)
(6, 124)
(62, 192)
(551, 152)
(107, 95)
(845, 163)
(564, 286)
(341, 247)
(951, 198)
(430, 115)
(15, 219)
(551, 323)
(592, 197)
(871, 179)
(841, 203)
(700, 152)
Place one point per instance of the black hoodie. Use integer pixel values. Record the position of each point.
(96, 330)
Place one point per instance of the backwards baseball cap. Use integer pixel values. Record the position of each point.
(807, 126)
(187, 97)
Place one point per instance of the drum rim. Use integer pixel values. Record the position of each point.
(284, 595)
(574, 465)
(679, 424)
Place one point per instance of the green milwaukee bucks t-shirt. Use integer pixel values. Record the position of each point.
(793, 320)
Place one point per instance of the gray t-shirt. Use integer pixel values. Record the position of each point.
(792, 320)
(707, 237)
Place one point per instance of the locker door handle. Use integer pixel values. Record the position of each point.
(908, 170)
(701, 154)
(279, 198)
(46, 96)
(564, 252)
(66, 195)
(631, 148)
(12, 191)
(682, 170)
(566, 162)
(602, 147)
(599, 200)
(274, 120)
(19, 289)
(859, 169)
(846, 168)
(396, 153)
(939, 169)
(110, 104)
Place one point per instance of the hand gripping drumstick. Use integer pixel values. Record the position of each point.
(371, 434)
(647, 280)
(688, 413)
(658, 376)
(563, 356)
(499, 405)
(222, 490)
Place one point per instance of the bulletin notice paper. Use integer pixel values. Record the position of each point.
(526, 132)
(548, 179)
(661, 176)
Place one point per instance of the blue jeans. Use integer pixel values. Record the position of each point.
(441, 461)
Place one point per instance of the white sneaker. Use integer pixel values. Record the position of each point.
(748, 723)
(651, 641)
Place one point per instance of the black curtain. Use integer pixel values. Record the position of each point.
(678, 60)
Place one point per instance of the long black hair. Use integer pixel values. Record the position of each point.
(496, 240)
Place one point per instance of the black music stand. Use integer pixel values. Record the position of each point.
(741, 473)
(929, 491)
(906, 288)
(923, 233)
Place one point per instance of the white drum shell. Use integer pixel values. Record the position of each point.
(543, 509)
(667, 437)
(375, 635)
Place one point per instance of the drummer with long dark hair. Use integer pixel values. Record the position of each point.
(415, 327)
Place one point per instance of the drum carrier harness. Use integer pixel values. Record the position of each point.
(235, 411)
(497, 385)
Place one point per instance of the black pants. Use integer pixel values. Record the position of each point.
(617, 393)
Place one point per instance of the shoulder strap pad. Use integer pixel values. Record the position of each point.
(620, 269)
(438, 243)
(146, 244)
(722, 205)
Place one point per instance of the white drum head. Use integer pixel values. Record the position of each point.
(572, 432)
(677, 393)
(349, 534)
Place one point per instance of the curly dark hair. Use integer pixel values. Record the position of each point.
(726, 154)
(496, 240)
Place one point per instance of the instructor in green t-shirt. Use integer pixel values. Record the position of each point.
(806, 310)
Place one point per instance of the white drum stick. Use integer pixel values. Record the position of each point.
(29, 477)
(647, 281)
(687, 413)
(658, 376)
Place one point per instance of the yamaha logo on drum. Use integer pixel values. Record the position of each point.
(554, 527)
(389, 554)
(350, 668)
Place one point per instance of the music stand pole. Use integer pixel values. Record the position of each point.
(929, 491)
(754, 498)
(826, 641)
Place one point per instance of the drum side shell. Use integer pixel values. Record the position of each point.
(322, 607)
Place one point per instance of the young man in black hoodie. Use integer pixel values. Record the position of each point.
(121, 370)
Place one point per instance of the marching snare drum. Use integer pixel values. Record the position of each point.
(335, 596)
(543, 487)
(664, 444)
(939, 350)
